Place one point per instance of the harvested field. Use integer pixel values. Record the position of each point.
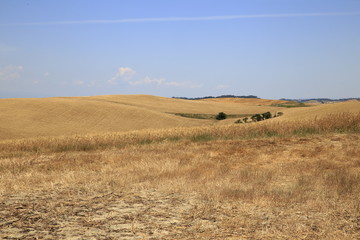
(304, 187)
(268, 180)
(63, 116)
(247, 101)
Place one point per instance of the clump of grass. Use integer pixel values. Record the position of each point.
(343, 181)
(202, 138)
(306, 131)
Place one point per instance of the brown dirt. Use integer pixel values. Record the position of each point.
(293, 186)
(150, 214)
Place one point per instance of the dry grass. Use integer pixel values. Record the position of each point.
(27, 118)
(247, 101)
(32, 118)
(338, 123)
(269, 180)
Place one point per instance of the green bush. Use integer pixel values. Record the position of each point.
(221, 116)
(266, 115)
(257, 117)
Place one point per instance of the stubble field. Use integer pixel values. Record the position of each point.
(284, 178)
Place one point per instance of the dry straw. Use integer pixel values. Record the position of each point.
(339, 123)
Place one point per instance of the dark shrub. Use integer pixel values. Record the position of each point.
(221, 116)
(257, 117)
(266, 115)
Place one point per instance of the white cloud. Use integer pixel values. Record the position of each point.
(124, 73)
(162, 82)
(158, 81)
(182, 19)
(11, 72)
(127, 74)
(147, 81)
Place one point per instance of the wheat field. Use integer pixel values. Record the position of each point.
(291, 177)
(26, 118)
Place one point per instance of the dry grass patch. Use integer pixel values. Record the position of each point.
(37, 117)
(339, 123)
(259, 188)
(262, 181)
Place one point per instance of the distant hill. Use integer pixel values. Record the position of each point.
(222, 96)
(35, 117)
(248, 101)
(320, 100)
(41, 117)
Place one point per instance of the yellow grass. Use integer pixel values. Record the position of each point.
(284, 178)
(338, 123)
(247, 101)
(297, 114)
(24, 118)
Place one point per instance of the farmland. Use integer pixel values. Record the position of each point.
(143, 173)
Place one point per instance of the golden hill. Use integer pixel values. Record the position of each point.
(249, 101)
(320, 110)
(35, 117)
(290, 176)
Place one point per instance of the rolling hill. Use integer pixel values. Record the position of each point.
(295, 175)
(36, 117)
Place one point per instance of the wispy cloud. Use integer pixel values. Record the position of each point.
(163, 82)
(185, 84)
(149, 80)
(11, 72)
(124, 73)
(183, 19)
(127, 75)
(221, 87)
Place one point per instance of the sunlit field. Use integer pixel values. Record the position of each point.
(179, 120)
(283, 178)
(51, 117)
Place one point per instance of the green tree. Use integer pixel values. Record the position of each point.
(266, 115)
(257, 117)
(221, 116)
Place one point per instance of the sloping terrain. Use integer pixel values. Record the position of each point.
(290, 177)
(24, 118)
(303, 113)
(275, 188)
(248, 101)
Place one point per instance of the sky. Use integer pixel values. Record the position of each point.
(180, 48)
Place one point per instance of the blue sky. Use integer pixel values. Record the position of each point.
(269, 48)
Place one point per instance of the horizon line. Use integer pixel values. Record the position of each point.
(182, 19)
